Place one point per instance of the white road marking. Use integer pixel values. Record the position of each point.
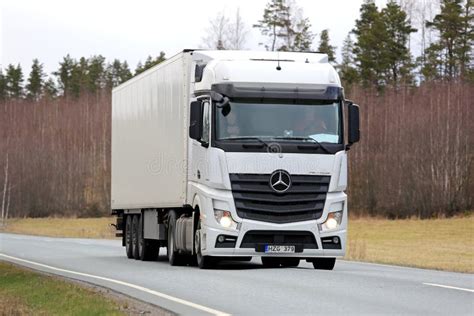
(133, 286)
(450, 287)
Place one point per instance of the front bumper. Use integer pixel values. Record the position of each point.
(211, 232)
(211, 235)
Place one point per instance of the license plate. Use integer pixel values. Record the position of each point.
(279, 249)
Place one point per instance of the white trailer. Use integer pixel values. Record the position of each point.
(231, 155)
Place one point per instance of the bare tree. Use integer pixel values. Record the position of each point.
(217, 32)
(8, 202)
(5, 186)
(237, 32)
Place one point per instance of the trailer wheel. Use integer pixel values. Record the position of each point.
(135, 237)
(324, 263)
(128, 237)
(147, 249)
(203, 262)
(174, 257)
(290, 262)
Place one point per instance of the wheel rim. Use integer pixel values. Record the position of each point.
(197, 245)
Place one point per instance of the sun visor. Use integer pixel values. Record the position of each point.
(278, 91)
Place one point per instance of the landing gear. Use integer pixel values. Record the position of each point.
(147, 249)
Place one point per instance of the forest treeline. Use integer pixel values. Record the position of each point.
(416, 153)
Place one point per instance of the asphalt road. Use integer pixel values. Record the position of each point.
(248, 288)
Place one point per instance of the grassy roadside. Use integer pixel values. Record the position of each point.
(443, 244)
(63, 227)
(23, 292)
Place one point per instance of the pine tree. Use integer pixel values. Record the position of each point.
(95, 73)
(125, 72)
(117, 73)
(347, 68)
(288, 30)
(303, 36)
(50, 88)
(369, 48)
(149, 62)
(35, 83)
(79, 78)
(139, 68)
(467, 41)
(325, 47)
(3, 86)
(455, 29)
(271, 23)
(14, 81)
(396, 54)
(64, 74)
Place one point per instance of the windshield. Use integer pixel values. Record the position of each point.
(316, 120)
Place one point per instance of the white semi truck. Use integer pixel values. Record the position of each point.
(232, 155)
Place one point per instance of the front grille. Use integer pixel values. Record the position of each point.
(301, 239)
(256, 200)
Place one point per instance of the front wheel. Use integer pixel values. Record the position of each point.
(174, 257)
(324, 263)
(203, 262)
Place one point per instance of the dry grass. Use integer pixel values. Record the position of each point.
(14, 306)
(24, 292)
(63, 227)
(443, 244)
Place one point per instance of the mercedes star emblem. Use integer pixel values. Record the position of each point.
(280, 181)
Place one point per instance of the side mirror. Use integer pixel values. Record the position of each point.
(195, 121)
(354, 132)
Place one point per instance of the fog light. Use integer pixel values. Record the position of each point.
(221, 238)
(224, 218)
(332, 222)
(335, 240)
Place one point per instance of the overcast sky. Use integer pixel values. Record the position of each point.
(132, 30)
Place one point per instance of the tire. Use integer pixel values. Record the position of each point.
(271, 262)
(147, 249)
(135, 237)
(174, 257)
(324, 263)
(203, 262)
(290, 262)
(128, 237)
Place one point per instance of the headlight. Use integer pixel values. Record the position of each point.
(332, 222)
(224, 218)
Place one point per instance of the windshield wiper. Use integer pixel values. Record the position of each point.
(264, 143)
(312, 140)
